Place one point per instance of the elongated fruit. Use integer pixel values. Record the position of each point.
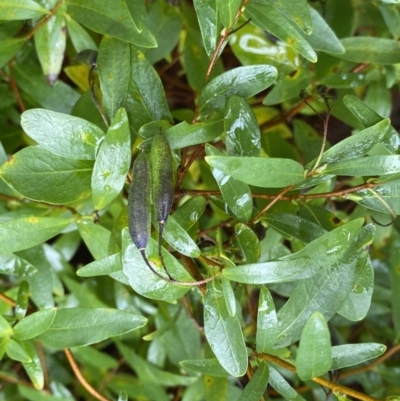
(139, 203)
(162, 176)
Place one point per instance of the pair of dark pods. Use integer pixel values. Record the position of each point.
(152, 182)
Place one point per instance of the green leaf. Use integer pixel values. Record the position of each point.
(314, 356)
(367, 49)
(164, 328)
(165, 23)
(114, 71)
(370, 165)
(267, 322)
(61, 134)
(210, 25)
(248, 242)
(269, 18)
(288, 88)
(369, 117)
(146, 100)
(244, 81)
(5, 328)
(34, 324)
(298, 11)
(357, 304)
(17, 352)
(277, 381)
(243, 136)
(109, 264)
(223, 332)
(21, 306)
(324, 292)
(293, 226)
(42, 176)
(15, 266)
(50, 43)
(76, 327)
(322, 36)
(318, 215)
(34, 368)
(227, 10)
(229, 296)
(281, 172)
(356, 145)
(137, 9)
(308, 141)
(9, 48)
(354, 354)
(395, 281)
(20, 9)
(143, 280)
(178, 238)
(109, 19)
(347, 80)
(255, 388)
(190, 212)
(236, 194)
(390, 14)
(95, 236)
(26, 232)
(112, 162)
(206, 366)
(79, 36)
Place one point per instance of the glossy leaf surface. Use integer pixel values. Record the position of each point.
(267, 322)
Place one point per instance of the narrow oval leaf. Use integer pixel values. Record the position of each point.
(34, 368)
(229, 296)
(21, 9)
(259, 171)
(26, 232)
(370, 165)
(146, 100)
(9, 48)
(5, 328)
(223, 332)
(112, 19)
(76, 327)
(236, 194)
(368, 49)
(137, 9)
(255, 388)
(50, 42)
(227, 10)
(314, 356)
(267, 322)
(206, 366)
(248, 242)
(178, 238)
(279, 383)
(80, 38)
(356, 145)
(101, 267)
(324, 292)
(17, 352)
(143, 280)
(114, 71)
(357, 304)
(244, 81)
(299, 13)
(34, 324)
(112, 162)
(39, 175)
(189, 213)
(15, 266)
(267, 17)
(354, 354)
(243, 136)
(61, 134)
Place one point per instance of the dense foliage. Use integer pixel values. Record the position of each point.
(285, 196)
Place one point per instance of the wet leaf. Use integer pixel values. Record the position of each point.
(40, 175)
(267, 322)
(112, 162)
(242, 81)
(281, 172)
(236, 194)
(21, 9)
(227, 9)
(223, 332)
(64, 135)
(255, 388)
(248, 242)
(15, 266)
(34, 324)
(241, 127)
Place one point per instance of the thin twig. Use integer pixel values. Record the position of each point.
(326, 383)
(14, 88)
(81, 378)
